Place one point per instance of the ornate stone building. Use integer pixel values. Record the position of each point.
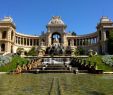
(56, 34)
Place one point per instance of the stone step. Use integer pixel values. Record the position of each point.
(83, 71)
(55, 68)
(55, 71)
(47, 71)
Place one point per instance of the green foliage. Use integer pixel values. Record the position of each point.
(110, 42)
(75, 52)
(32, 52)
(78, 51)
(100, 64)
(19, 50)
(12, 65)
(73, 33)
(81, 51)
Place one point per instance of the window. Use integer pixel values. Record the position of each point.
(4, 35)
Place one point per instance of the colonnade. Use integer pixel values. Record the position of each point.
(82, 41)
(27, 41)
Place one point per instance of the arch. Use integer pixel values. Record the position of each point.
(56, 36)
(2, 47)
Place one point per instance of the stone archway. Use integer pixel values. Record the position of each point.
(56, 37)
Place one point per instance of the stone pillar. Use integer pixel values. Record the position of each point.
(72, 42)
(104, 35)
(90, 41)
(65, 40)
(96, 40)
(83, 42)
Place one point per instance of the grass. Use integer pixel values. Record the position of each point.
(100, 64)
(63, 84)
(12, 65)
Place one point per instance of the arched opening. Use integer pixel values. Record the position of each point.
(4, 35)
(2, 47)
(56, 37)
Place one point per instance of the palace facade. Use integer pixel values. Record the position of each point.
(11, 40)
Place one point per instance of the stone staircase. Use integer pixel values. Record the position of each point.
(51, 68)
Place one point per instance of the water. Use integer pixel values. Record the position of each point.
(56, 84)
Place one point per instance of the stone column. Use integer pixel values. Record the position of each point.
(104, 35)
(82, 42)
(65, 41)
(72, 42)
(90, 41)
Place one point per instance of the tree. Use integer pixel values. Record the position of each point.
(32, 52)
(76, 52)
(110, 42)
(81, 51)
(73, 33)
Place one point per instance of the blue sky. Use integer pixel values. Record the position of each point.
(31, 16)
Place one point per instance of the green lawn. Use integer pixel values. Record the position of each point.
(56, 84)
(100, 64)
(12, 65)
